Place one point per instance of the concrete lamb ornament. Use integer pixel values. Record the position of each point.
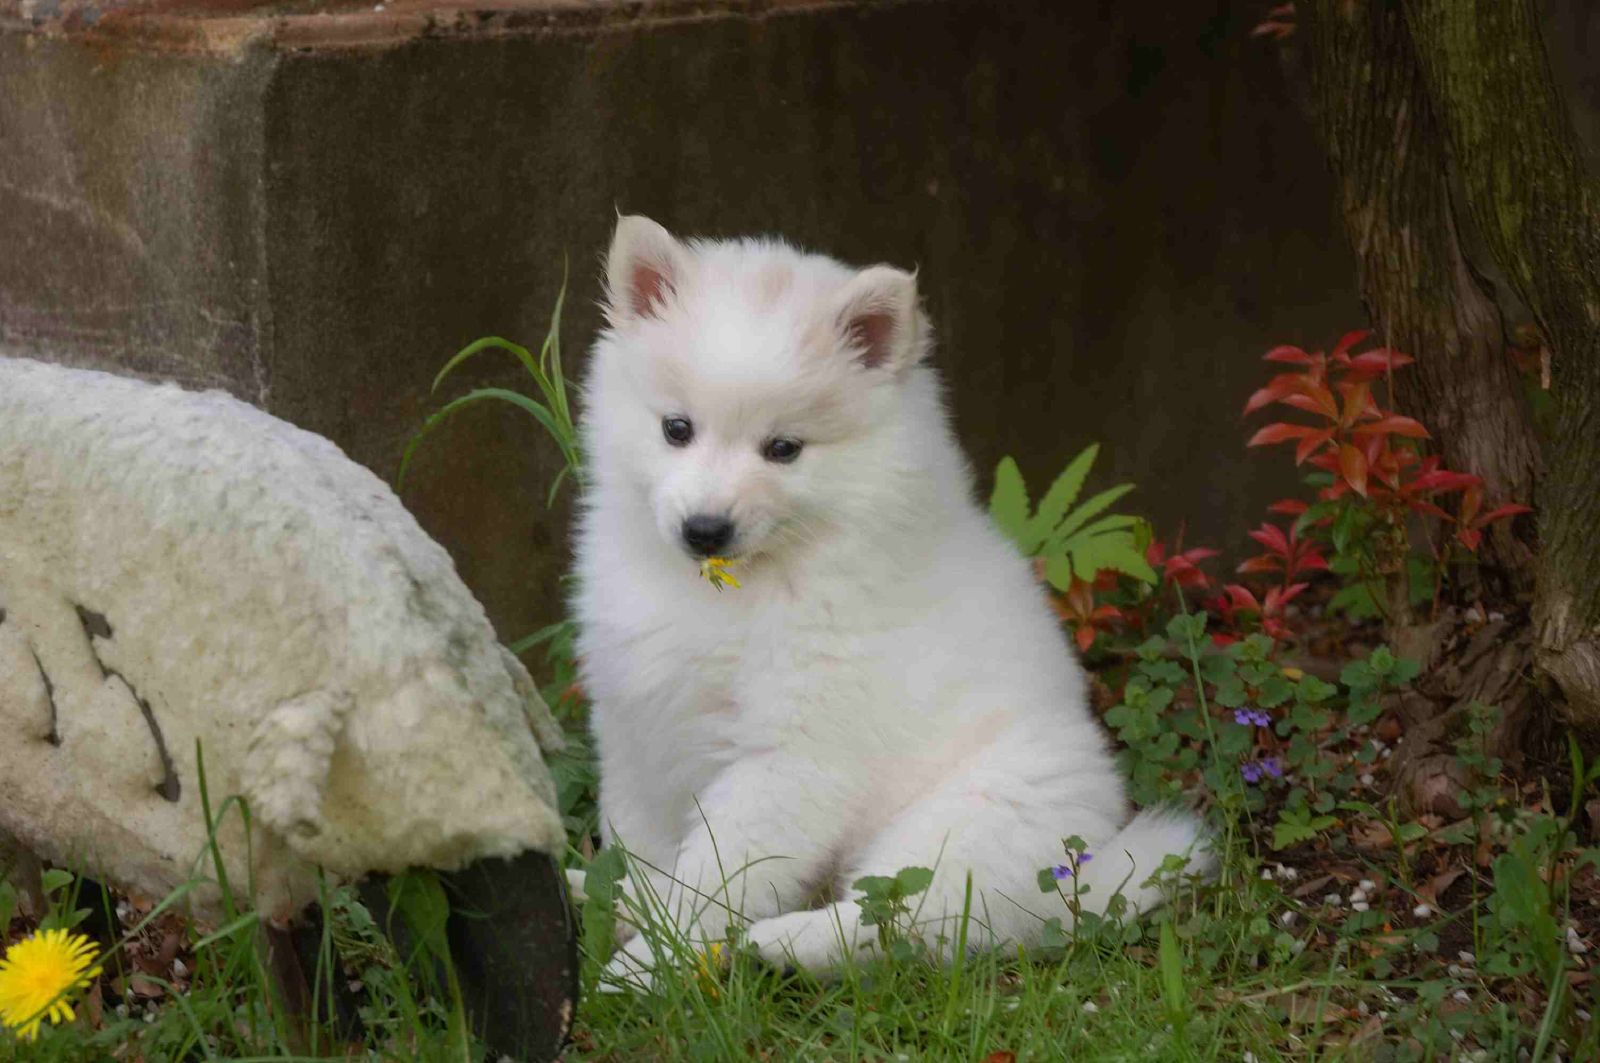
(180, 568)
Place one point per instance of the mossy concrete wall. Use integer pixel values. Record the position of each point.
(1114, 209)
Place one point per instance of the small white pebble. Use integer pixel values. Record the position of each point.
(1386, 753)
(1266, 874)
(1467, 957)
(1367, 779)
(122, 1011)
(1333, 899)
(1360, 906)
(1287, 918)
(180, 969)
(1298, 947)
(1462, 996)
(1383, 1016)
(1288, 874)
(1367, 884)
(1583, 1014)
(1454, 970)
(1248, 1057)
(150, 1016)
(1358, 895)
(1363, 1009)
(1575, 944)
(1090, 1006)
(1013, 1005)
(1422, 911)
(1496, 615)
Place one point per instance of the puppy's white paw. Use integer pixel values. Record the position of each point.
(632, 967)
(816, 940)
(575, 877)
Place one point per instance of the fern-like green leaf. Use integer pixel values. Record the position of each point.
(1009, 504)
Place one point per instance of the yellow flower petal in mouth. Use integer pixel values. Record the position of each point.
(714, 570)
(38, 974)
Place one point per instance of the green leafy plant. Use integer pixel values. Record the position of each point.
(552, 408)
(1073, 542)
(885, 903)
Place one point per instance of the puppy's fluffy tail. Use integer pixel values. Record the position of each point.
(1126, 862)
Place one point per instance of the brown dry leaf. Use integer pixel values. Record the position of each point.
(93, 1005)
(1369, 1029)
(1311, 886)
(1370, 835)
(1430, 890)
(1307, 1010)
(143, 987)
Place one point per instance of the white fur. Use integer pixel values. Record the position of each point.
(888, 687)
(268, 598)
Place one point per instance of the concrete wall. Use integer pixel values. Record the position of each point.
(1115, 208)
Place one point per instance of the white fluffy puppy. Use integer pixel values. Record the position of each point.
(886, 687)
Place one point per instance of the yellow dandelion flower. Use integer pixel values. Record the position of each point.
(38, 974)
(711, 963)
(1293, 673)
(714, 570)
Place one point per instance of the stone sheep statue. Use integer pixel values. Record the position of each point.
(183, 574)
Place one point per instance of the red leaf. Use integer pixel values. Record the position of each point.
(1418, 505)
(1260, 564)
(1278, 432)
(1292, 507)
(1502, 512)
(1085, 638)
(1312, 561)
(1353, 467)
(1241, 597)
(1379, 361)
(1276, 389)
(1271, 536)
(1357, 395)
(1443, 480)
(1394, 424)
(1288, 353)
(1311, 444)
(1470, 538)
(1341, 350)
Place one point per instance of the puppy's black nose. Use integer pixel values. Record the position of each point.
(707, 536)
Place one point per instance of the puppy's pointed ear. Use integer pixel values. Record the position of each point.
(643, 269)
(879, 321)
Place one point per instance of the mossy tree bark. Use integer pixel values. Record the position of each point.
(1441, 119)
(1538, 211)
(1387, 149)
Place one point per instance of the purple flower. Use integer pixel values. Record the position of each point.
(1254, 770)
(1251, 718)
(1064, 871)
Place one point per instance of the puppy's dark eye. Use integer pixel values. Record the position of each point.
(782, 451)
(678, 430)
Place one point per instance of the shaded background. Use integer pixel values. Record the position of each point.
(1115, 209)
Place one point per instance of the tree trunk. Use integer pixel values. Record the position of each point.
(1539, 214)
(1387, 150)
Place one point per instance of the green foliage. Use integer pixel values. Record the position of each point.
(552, 407)
(885, 903)
(1075, 542)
